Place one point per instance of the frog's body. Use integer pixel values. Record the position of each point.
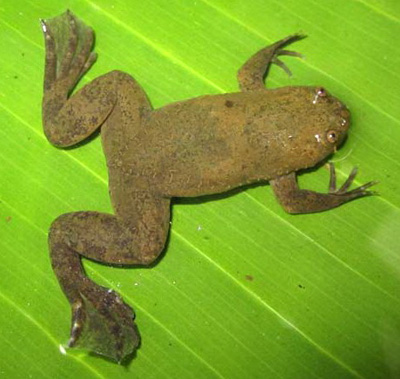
(201, 146)
(214, 143)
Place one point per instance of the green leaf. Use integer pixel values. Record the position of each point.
(243, 290)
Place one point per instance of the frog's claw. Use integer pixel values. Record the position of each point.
(342, 191)
(251, 74)
(103, 323)
(69, 55)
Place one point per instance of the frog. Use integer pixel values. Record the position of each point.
(206, 145)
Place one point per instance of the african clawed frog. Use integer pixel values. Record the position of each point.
(200, 146)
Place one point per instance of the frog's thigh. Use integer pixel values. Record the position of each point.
(136, 236)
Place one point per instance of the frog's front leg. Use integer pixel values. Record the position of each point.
(136, 235)
(68, 119)
(295, 200)
(251, 74)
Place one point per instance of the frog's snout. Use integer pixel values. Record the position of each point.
(337, 135)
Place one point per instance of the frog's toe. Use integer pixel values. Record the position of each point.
(69, 44)
(103, 324)
(86, 57)
(50, 72)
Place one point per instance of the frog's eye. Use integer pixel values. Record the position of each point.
(321, 92)
(332, 136)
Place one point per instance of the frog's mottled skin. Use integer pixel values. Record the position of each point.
(196, 147)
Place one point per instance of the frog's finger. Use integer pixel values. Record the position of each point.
(362, 189)
(332, 178)
(288, 40)
(282, 65)
(290, 53)
(346, 185)
(50, 70)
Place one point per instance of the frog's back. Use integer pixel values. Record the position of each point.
(214, 143)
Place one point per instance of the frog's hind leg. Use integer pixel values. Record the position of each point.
(101, 321)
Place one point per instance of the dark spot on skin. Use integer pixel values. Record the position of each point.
(8, 219)
(15, 76)
(119, 346)
(116, 330)
(229, 103)
(250, 278)
(302, 287)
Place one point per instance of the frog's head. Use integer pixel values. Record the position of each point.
(332, 116)
(322, 125)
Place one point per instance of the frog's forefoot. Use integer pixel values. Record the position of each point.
(295, 200)
(251, 74)
(342, 191)
(279, 51)
(103, 324)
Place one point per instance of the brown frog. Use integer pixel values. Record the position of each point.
(196, 147)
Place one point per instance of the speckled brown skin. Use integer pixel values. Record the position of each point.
(196, 147)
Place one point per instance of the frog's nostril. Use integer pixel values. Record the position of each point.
(344, 115)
